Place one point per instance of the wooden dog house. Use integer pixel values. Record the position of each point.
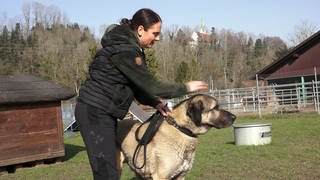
(30, 119)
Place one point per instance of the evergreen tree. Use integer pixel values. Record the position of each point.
(16, 45)
(152, 63)
(16, 34)
(182, 38)
(194, 70)
(6, 66)
(5, 41)
(258, 48)
(258, 56)
(182, 73)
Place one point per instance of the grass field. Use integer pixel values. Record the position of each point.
(293, 154)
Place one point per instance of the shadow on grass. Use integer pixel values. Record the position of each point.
(231, 142)
(71, 151)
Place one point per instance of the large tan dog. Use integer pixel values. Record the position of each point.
(171, 152)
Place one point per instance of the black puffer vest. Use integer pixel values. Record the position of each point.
(106, 87)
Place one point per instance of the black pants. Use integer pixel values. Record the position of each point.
(98, 131)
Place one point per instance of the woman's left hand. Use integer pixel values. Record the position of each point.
(163, 109)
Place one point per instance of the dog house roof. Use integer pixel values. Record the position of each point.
(26, 89)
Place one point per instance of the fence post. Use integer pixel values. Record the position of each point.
(314, 95)
(303, 91)
(282, 101)
(253, 99)
(275, 98)
(298, 97)
(317, 91)
(228, 95)
(259, 109)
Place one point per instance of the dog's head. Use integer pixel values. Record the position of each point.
(203, 113)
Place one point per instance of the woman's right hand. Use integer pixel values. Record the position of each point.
(193, 86)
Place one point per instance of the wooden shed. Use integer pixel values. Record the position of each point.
(302, 63)
(30, 119)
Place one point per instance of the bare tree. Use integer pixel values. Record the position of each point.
(52, 15)
(26, 11)
(302, 31)
(38, 11)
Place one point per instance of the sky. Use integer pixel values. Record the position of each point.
(277, 18)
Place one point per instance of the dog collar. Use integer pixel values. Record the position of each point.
(184, 130)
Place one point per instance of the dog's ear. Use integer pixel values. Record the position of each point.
(194, 111)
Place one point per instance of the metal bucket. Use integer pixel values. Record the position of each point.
(252, 133)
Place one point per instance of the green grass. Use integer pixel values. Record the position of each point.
(294, 153)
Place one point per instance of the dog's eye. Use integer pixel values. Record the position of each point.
(214, 108)
(211, 109)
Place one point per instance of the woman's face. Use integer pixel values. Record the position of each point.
(148, 37)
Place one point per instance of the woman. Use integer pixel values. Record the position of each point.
(117, 75)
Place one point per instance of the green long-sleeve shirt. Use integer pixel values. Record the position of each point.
(134, 68)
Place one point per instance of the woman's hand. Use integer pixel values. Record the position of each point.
(193, 86)
(163, 109)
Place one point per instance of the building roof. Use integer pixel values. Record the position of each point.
(200, 36)
(204, 37)
(296, 62)
(30, 89)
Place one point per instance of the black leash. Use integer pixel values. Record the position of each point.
(155, 121)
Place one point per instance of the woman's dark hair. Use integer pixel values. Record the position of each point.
(145, 17)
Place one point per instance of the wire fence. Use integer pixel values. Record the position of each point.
(268, 99)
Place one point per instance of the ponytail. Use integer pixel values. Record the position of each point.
(125, 21)
(145, 17)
